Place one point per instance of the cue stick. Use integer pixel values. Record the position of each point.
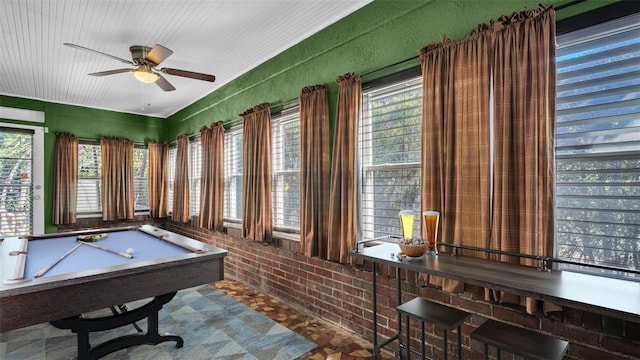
(123, 309)
(124, 254)
(47, 268)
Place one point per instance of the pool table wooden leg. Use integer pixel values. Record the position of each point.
(83, 326)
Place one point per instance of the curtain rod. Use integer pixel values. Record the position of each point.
(569, 4)
(390, 66)
(88, 140)
(284, 103)
(233, 122)
(559, 7)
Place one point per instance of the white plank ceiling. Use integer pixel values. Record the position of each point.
(222, 38)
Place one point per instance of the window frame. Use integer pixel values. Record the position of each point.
(367, 169)
(613, 12)
(233, 161)
(97, 179)
(278, 122)
(144, 180)
(19, 188)
(173, 151)
(195, 175)
(97, 212)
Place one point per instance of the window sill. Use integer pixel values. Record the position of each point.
(98, 215)
(276, 234)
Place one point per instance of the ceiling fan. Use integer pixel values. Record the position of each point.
(145, 59)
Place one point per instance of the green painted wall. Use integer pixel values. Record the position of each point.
(379, 34)
(86, 123)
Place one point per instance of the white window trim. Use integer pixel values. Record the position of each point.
(38, 174)
(286, 116)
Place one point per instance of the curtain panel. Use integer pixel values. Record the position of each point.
(314, 170)
(212, 177)
(181, 199)
(497, 194)
(118, 194)
(158, 179)
(256, 177)
(343, 196)
(456, 141)
(65, 194)
(524, 107)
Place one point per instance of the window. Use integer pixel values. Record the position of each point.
(89, 190)
(16, 163)
(141, 178)
(285, 149)
(598, 144)
(90, 183)
(195, 175)
(233, 174)
(597, 150)
(172, 174)
(389, 151)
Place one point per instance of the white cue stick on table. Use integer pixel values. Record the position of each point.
(48, 267)
(124, 254)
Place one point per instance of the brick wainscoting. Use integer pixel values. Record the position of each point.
(341, 294)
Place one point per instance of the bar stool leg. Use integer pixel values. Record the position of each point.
(498, 353)
(408, 340)
(422, 339)
(399, 337)
(486, 351)
(444, 344)
(459, 344)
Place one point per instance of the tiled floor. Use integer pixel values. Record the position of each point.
(334, 343)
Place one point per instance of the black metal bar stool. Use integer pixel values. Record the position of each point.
(442, 316)
(518, 341)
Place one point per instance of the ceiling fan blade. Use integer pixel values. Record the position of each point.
(164, 84)
(189, 74)
(110, 72)
(99, 52)
(158, 54)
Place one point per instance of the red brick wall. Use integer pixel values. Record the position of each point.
(342, 295)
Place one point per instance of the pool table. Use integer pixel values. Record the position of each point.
(89, 279)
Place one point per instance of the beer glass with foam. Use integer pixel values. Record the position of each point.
(431, 220)
(406, 221)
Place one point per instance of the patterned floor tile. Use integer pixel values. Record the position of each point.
(213, 325)
(334, 343)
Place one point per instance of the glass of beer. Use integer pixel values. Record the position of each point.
(431, 220)
(406, 221)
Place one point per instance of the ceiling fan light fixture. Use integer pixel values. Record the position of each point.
(145, 75)
(145, 59)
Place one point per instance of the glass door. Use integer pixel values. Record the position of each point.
(21, 208)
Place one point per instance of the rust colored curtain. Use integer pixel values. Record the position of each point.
(343, 196)
(118, 195)
(158, 179)
(181, 197)
(524, 102)
(314, 170)
(456, 175)
(256, 177)
(65, 194)
(212, 176)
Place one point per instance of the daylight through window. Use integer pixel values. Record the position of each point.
(389, 149)
(285, 130)
(598, 144)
